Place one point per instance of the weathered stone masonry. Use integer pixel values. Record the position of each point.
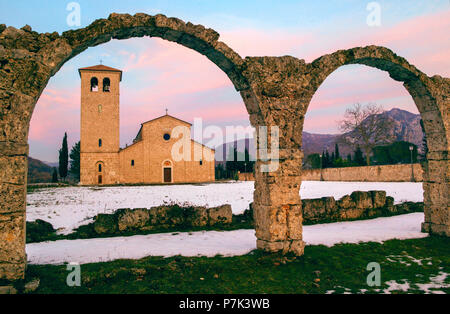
(275, 90)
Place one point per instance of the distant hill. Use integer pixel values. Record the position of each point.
(39, 172)
(406, 128)
(51, 164)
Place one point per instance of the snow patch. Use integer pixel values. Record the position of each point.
(68, 208)
(212, 243)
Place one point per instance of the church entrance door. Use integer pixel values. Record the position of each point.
(167, 175)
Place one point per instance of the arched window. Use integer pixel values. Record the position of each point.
(94, 84)
(100, 168)
(132, 163)
(106, 85)
(100, 108)
(100, 143)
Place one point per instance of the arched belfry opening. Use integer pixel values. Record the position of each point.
(106, 85)
(94, 84)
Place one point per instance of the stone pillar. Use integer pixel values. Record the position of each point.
(277, 206)
(436, 187)
(13, 175)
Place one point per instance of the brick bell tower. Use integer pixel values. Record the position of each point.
(100, 125)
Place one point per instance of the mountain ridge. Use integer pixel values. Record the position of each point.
(406, 127)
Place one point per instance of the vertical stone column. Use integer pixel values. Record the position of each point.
(13, 175)
(277, 206)
(436, 187)
(434, 105)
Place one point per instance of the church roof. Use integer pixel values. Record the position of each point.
(100, 68)
(139, 135)
(167, 115)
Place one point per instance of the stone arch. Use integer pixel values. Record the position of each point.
(30, 59)
(431, 98)
(284, 87)
(27, 62)
(421, 88)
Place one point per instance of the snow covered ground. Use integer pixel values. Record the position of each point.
(211, 243)
(68, 208)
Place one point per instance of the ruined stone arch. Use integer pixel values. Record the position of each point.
(276, 92)
(421, 87)
(430, 94)
(30, 59)
(27, 62)
(284, 87)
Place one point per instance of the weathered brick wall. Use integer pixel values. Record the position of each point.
(385, 173)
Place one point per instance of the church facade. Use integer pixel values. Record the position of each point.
(150, 159)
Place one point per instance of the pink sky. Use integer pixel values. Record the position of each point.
(160, 75)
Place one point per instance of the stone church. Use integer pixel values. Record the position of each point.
(149, 159)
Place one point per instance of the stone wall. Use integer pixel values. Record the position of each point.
(355, 206)
(385, 173)
(161, 217)
(247, 176)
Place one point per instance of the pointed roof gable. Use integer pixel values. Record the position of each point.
(139, 135)
(167, 115)
(100, 68)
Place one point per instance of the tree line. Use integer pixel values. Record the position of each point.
(395, 153)
(236, 163)
(371, 135)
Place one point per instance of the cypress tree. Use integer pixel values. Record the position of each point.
(75, 161)
(64, 159)
(55, 176)
(349, 158)
(336, 150)
(324, 165)
(359, 158)
(327, 158)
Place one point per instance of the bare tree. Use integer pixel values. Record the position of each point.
(366, 127)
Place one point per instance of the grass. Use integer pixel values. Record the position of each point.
(338, 269)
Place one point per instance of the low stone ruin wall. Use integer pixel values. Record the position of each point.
(162, 217)
(358, 205)
(385, 173)
(355, 206)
